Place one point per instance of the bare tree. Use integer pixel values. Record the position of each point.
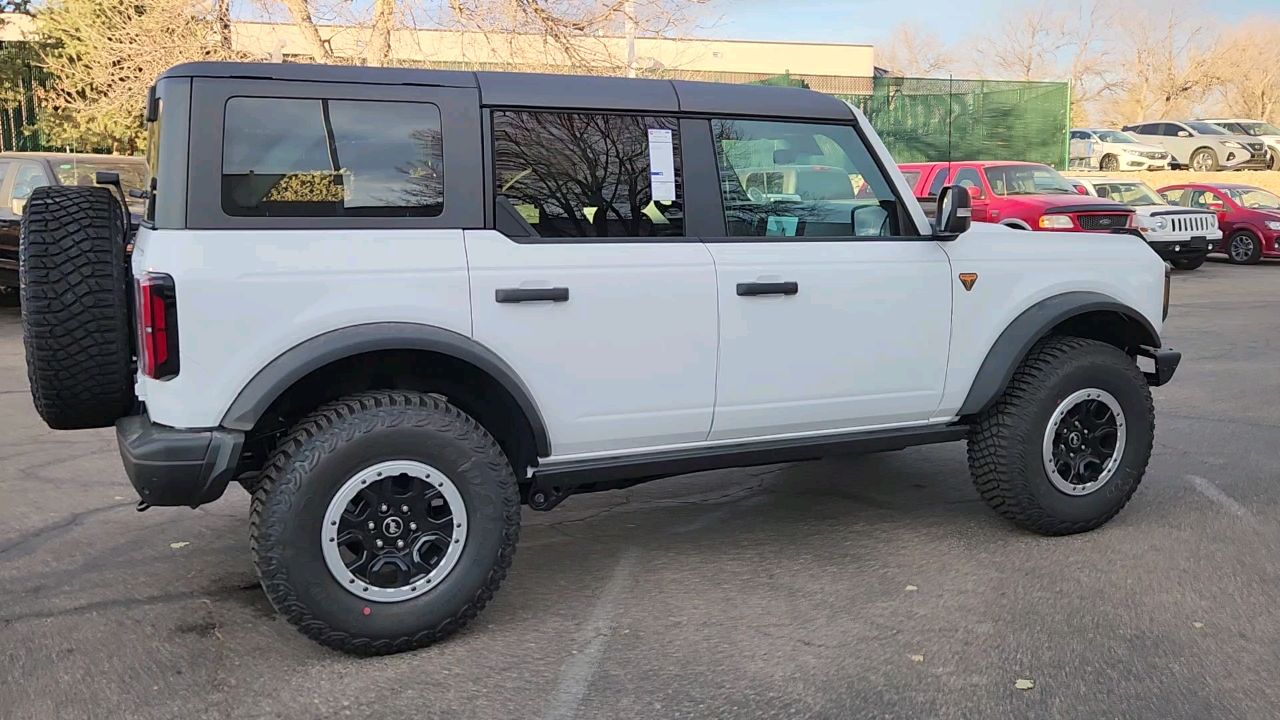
(384, 17)
(300, 11)
(1173, 63)
(1249, 73)
(1026, 46)
(915, 52)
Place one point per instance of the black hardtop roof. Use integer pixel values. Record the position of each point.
(584, 92)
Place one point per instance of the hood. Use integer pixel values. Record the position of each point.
(1165, 210)
(1245, 140)
(1070, 203)
(1138, 147)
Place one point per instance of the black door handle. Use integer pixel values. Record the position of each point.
(519, 295)
(768, 288)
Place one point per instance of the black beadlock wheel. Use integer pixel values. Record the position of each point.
(385, 522)
(1066, 445)
(76, 323)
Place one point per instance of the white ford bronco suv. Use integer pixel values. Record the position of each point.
(397, 305)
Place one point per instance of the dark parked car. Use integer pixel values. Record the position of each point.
(20, 173)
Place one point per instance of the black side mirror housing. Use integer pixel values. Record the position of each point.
(106, 177)
(955, 213)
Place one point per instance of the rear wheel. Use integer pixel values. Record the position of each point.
(1204, 160)
(1064, 448)
(76, 324)
(385, 522)
(1187, 263)
(1244, 248)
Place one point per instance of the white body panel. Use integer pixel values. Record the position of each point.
(1016, 270)
(246, 296)
(629, 361)
(863, 342)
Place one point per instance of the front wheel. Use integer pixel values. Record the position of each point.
(1109, 163)
(1064, 448)
(384, 523)
(1204, 160)
(1188, 263)
(1244, 248)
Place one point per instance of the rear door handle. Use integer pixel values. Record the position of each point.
(519, 295)
(768, 288)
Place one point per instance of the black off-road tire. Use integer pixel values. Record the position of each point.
(320, 455)
(76, 324)
(1005, 441)
(1187, 263)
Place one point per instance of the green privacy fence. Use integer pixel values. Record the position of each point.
(987, 119)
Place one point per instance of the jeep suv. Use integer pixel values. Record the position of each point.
(398, 305)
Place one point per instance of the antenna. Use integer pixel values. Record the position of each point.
(951, 92)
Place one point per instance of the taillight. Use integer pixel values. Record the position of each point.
(157, 311)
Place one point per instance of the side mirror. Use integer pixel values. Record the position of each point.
(18, 206)
(106, 177)
(1183, 133)
(1216, 207)
(955, 213)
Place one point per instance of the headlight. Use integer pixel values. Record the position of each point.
(1273, 224)
(1056, 222)
(1232, 144)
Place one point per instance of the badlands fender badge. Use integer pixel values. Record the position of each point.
(968, 279)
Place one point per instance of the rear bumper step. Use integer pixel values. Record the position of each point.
(172, 467)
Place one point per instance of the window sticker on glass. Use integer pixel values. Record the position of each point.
(662, 165)
(782, 226)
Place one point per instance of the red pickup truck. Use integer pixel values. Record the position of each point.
(1026, 196)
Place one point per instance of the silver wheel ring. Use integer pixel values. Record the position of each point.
(1243, 244)
(376, 473)
(1113, 463)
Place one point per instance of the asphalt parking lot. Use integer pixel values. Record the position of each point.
(872, 587)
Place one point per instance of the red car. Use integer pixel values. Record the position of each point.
(1248, 216)
(1026, 196)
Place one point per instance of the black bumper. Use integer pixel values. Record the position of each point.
(1166, 362)
(1182, 250)
(170, 467)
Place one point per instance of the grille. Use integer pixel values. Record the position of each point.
(1154, 155)
(1190, 224)
(1103, 222)
(1256, 147)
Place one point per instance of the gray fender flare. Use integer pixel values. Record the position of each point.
(1028, 328)
(295, 363)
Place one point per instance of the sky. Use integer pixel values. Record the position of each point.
(868, 22)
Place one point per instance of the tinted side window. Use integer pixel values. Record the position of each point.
(938, 182)
(1077, 135)
(331, 158)
(1169, 129)
(968, 177)
(826, 182)
(583, 175)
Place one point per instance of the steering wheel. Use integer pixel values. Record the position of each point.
(756, 195)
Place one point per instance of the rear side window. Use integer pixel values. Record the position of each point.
(968, 177)
(912, 177)
(331, 158)
(581, 175)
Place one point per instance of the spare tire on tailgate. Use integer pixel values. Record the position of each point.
(76, 324)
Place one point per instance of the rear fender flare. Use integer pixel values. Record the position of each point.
(296, 363)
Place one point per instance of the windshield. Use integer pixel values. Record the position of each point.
(1114, 136)
(1006, 180)
(1133, 194)
(1205, 128)
(1254, 198)
(77, 171)
(1258, 129)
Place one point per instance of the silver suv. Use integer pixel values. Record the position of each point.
(1259, 130)
(1202, 146)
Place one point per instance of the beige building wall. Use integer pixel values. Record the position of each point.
(448, 48)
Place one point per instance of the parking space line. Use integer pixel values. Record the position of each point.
(1214, 493)
(577, 672)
